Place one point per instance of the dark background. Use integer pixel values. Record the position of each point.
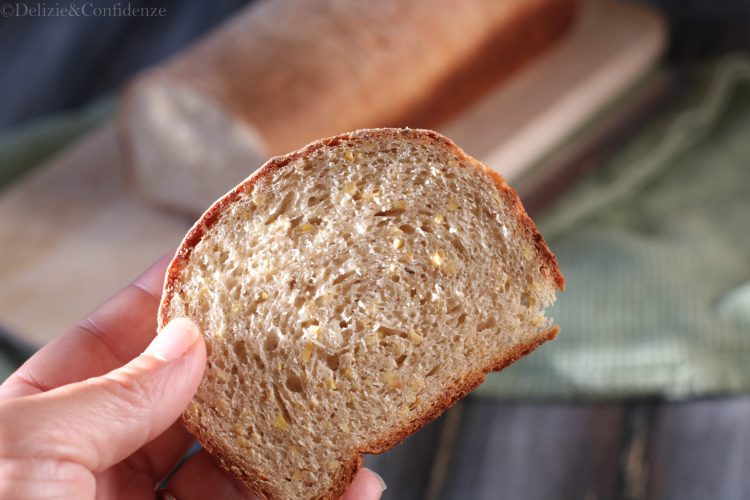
(51, 64)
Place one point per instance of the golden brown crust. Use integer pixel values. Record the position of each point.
(451, 394)
(534, 28)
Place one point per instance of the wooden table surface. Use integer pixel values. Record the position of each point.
(491, 449)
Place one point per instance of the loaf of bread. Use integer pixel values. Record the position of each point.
(283, 73)
(350, 292)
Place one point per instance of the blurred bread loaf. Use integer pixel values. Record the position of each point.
(350, 292)
(284, 72)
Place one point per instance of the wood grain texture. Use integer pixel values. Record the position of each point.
(535, 451)
(700, 450)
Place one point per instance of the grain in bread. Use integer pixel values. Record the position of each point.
(350, 292)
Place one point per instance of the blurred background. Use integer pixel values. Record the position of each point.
(626, 132)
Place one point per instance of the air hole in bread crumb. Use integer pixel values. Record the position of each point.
(459, 246)
(295, 222)
(333, 360)
(314, 200)
(294, 383)
(453, 306)
(343, 324)
(433, 370)
(391, 212)
(258, 362)
(385, 331)
(400, 360)
(341, 277)
(407, 228)
(271, 342)
(282, 405)
(286, 202)
(487, 324)
(239, 350)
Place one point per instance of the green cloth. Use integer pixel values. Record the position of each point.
(655, 249)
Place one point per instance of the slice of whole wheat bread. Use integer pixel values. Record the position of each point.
(350, 292)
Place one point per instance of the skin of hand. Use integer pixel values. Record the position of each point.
(94, 414)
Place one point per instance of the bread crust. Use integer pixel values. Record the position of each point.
(452, 394)
(535, 27)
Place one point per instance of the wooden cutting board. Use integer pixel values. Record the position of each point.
(73, 235)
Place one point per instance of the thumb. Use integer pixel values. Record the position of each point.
(102, 420)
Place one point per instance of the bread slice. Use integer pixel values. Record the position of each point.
(350, 292)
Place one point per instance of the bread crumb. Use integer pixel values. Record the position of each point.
(349, 155)
(350, 188)
(398, 243)
(221, 374)
(416, 384)
(344, 427)
(438, 219)
(452, 204)
(415, 337)
(331, 383)
(297, 476)
(259, 199)
(307, 227)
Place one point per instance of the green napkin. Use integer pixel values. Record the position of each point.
(655, 248)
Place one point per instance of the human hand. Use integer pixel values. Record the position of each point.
(95, 412)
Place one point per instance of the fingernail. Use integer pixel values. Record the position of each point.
(383, 487)
(174, 340)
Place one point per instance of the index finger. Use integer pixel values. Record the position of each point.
(108, 337)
